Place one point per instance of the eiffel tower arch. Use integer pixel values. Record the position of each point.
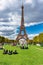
(22, 34)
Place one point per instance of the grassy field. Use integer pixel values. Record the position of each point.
(31, 56)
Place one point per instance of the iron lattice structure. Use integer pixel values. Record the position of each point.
(22, 28)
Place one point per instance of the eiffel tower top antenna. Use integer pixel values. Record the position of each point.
(22, 17)
(22, 2)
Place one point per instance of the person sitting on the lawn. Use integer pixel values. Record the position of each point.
(15, 52)
(10, 52)
(5, 51)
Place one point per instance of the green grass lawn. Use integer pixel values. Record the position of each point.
(31, 56)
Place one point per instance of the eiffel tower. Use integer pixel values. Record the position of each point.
(22, 34)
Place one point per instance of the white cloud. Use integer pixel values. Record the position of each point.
(41, 1)
(11, 3)
(1, 19)
(6, 28)
(28, 1)
(7, 3)
(32, 23)
(10, 23)
(1, 33)
(32, 35)
(3, 4)
(14, 19)
(13, 36)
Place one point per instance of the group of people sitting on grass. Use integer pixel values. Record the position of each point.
(10, 52)
(23, 47)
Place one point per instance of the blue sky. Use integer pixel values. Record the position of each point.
(10, 17)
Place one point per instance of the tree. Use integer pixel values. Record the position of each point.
(41, 37)
(30, 41)
(36, 39)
